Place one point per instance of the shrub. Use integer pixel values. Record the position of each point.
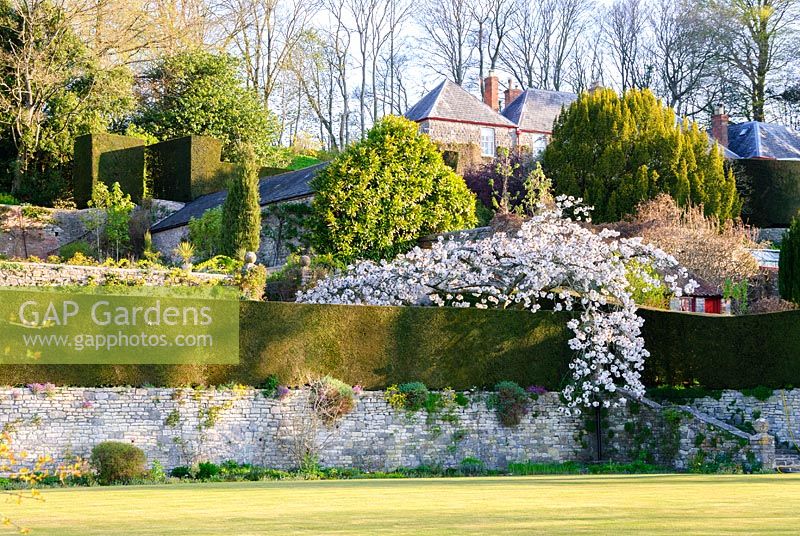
(181, 471)
(116, 461)
(416, 395)
(709, 248)
(252, 282)
(220, 264)
(205, 233)
(207, 470)
(68, 251)
(380, 195)
(8, 199)
(511, 403)
(331, 399)
(616, 151)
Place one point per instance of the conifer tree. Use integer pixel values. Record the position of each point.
(789, 263)
(241, 212)
(617, 151)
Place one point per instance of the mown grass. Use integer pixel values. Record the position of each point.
(628, 504)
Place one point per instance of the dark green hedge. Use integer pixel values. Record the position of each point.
(460, 348)
(185, 168)
(373, 346)
(108, 158)
(722, 352)
(773, 191)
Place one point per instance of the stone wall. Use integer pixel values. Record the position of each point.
(465, 133)
(182, 426)
(781, 410)
(30, 274)
(45, 230)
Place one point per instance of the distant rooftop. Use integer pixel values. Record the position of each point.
(274, 189)
(755, 139)
(449, 101)
(537, 109)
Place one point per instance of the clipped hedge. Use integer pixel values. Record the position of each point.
(722, 352)
(774, 191)
(459, 348)
(371, 346)
(183, 169)
(108, 158)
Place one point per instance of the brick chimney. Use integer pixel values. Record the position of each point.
(511, 93)
(491, 91)
(719, 125)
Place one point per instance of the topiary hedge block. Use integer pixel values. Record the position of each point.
(108, 158)
(773, 191)
(185, 168)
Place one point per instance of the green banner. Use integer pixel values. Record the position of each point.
(119, 325)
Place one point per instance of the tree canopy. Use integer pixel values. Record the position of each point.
(52, 89)
(203, 93)
(616, 151)
(383, 193)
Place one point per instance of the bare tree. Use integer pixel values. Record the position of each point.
(449, 27)
(492, 25)
(684, 51)
(624, 29)
(543, 38)
(760, 39)
(264, 33)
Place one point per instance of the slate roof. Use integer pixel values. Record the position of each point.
(274, 189)
(450, 101)
(764, 140)
(537, 109)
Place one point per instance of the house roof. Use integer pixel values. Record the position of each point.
(274, 189)
(537, 109)
(449, 101)
(755, 139)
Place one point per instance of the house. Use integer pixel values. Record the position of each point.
(291, 187)
(706, 298)
(473, 129)
(767, 155)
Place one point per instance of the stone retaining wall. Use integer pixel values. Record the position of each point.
(30, 274)
(182, 426)
(781, 411)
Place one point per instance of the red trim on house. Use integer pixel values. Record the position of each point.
(526, 131)
(467, 122)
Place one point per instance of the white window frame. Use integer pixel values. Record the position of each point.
(539, 145)
(488, 142)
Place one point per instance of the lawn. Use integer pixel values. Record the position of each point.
(661, 504)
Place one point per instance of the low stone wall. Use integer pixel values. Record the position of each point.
(29, 274)
(182, 426)
(781, 411)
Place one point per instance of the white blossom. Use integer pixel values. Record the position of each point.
(552, 262)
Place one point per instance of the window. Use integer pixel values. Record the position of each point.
(538, 145)
(487, 142)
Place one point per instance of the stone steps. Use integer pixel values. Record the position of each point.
(786, 462)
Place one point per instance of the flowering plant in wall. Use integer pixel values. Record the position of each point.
(553, 262)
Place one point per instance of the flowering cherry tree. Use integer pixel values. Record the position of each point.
(553, 262)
